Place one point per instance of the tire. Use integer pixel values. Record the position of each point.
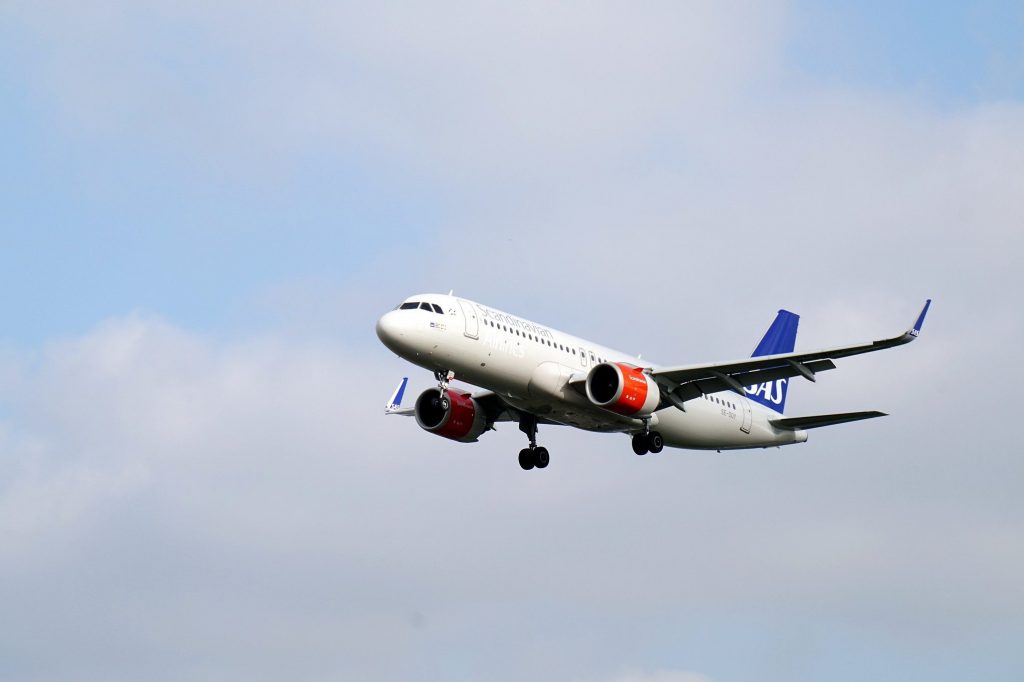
(541, 457)
(655, 443)
(526, 459)
(640, 446)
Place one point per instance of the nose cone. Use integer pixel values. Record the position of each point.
(389, 330)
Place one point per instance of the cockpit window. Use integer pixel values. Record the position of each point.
(426, 306)
(411, 305)
(437, 309)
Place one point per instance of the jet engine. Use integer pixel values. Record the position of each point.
(623, 389)
(464, 420)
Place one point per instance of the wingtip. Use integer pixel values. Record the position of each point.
(395, 402)
(916, 329)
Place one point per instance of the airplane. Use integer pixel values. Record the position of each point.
(536, 375)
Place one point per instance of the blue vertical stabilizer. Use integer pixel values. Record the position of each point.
(780, 338)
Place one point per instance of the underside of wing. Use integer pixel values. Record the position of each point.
(714, 379)
(498, 410)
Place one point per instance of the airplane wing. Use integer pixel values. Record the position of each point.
(687, 382)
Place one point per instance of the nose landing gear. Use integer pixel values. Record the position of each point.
(442, 386)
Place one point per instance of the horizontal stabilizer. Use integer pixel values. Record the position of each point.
(817, 420)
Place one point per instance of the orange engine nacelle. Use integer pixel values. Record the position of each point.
(464, 420)
(623, 389)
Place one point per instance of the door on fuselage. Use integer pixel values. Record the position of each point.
(583, 357)
(469, 315)
(745, 406)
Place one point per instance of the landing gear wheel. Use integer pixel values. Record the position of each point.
(541, 457)
(526, 459)
(640, 445)
(655, 442)
(442, 387)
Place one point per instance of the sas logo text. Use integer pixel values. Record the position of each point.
(769, 391)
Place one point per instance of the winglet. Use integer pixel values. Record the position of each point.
(916, 329)
(395, 404)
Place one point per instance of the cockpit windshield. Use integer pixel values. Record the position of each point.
(421, 305)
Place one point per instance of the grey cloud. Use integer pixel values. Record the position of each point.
(177, 506)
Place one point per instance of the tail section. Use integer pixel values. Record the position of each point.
(780, 338)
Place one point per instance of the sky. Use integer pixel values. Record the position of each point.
(206, 206)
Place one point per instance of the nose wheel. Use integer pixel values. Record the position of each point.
(443, 378)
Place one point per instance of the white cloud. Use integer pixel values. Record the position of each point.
(467, 87)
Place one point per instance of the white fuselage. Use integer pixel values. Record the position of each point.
(530, 366)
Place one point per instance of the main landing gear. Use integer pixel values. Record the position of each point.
(648, 441)
(442, 385)
(532, 456)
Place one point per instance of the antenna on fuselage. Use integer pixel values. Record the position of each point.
(451, 292)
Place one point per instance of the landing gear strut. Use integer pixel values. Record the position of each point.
(442, 386)
(532, 456)
(648, 441)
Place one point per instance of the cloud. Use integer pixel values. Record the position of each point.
(177, 504)
(174, 503)
(464, 86)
